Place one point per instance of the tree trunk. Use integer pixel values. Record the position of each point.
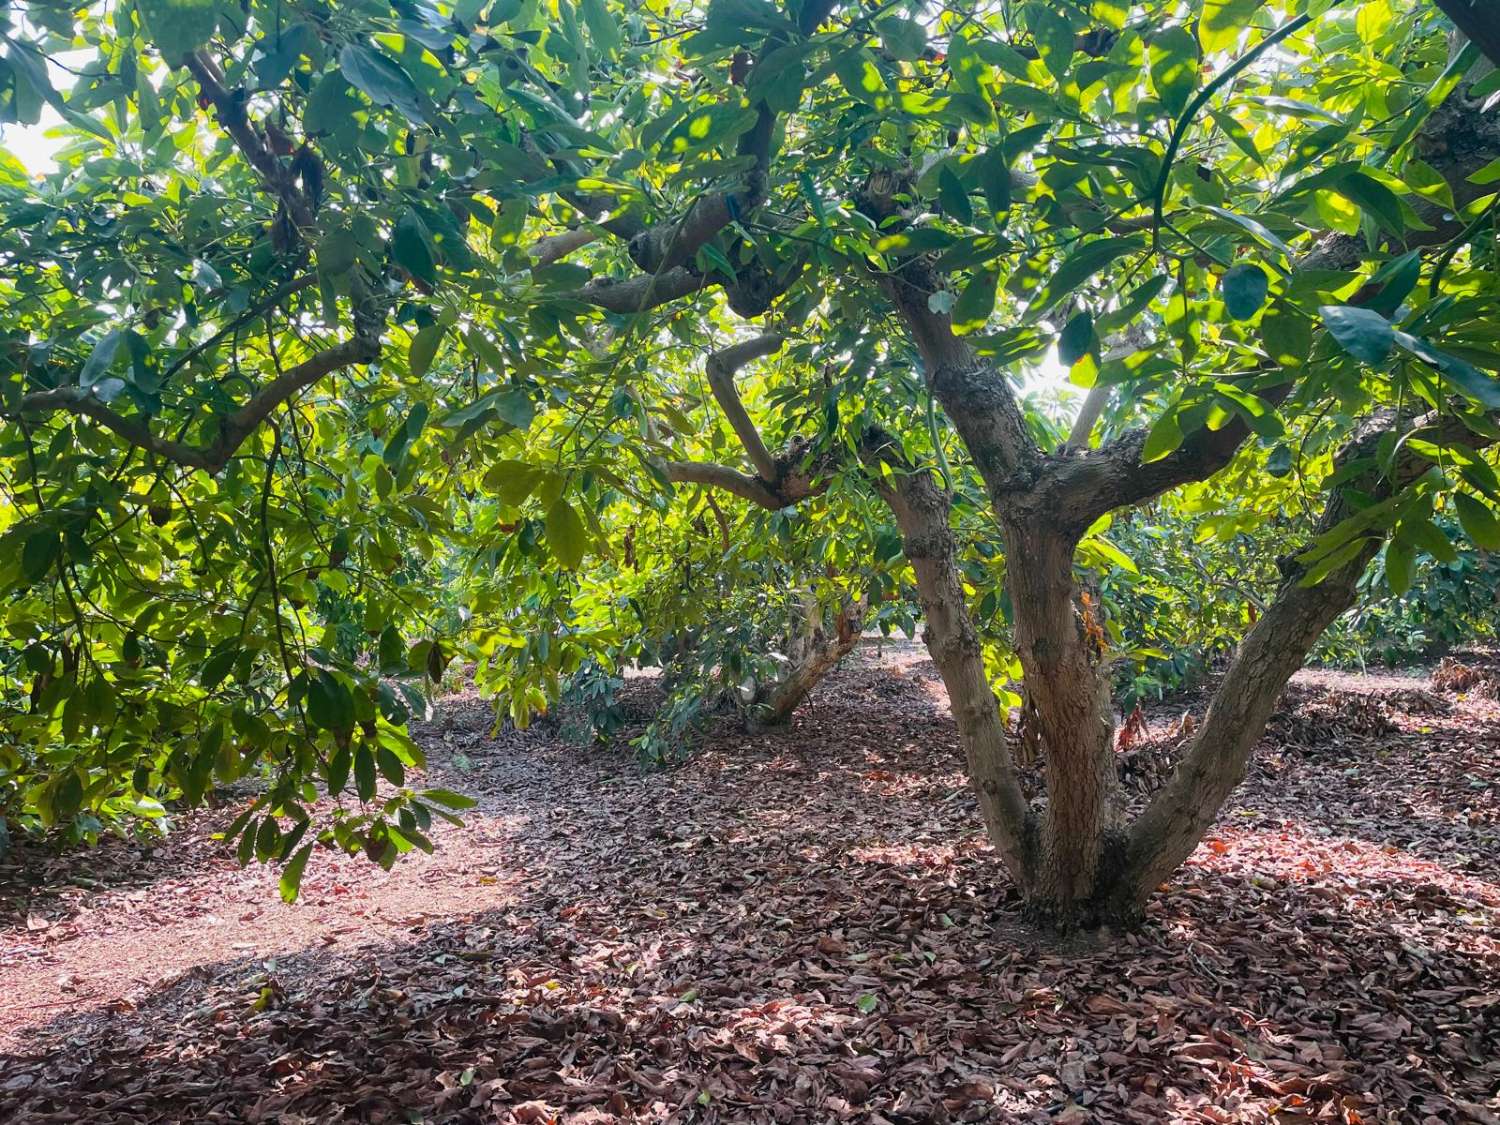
(1061, 645)
(921, 511)
(1079, 866)
(813, 657)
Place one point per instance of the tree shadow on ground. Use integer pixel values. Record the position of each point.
(810, 927)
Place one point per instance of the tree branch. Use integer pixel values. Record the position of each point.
(233, 429)
(641, 292)
(977, 397)
(229, 107)
(721, 369)
(730, 480)
(1166, 833)
(555, 247)
(922, 513)
(1088, 414)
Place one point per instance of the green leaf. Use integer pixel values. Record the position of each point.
(1237, 134)
(1165, 436)
(448, 798)
(1460, 374)
(1054, 38)
(291, 874)
(1174, 68)
(101, 358)
(867, 1003)
(337, 251)
(1222, 20)
(953, 196)
(38, 553)
(1244, 288)
(565, 535)
(389, 765)
(1078, 267)
(1400, 565)
(1107, 553)
(1374, 198)
(1479, 523)
(1428, 536)
(329, 702)
(603, 29)
(411, 247)
(382, 80)
(364, 773)
(1364, 334)
(860, 76)
(424, 346)
(1287, 337)
(178, 27)
(1334, 560)
(905, 39)
(1076, 339)
(975, 303)
(778, 79)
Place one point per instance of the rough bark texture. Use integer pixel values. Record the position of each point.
(1061, 647)
(921, 511)
(1169, 829)
(1077, 866)
(814, 654)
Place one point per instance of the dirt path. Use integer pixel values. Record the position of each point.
(804, 926)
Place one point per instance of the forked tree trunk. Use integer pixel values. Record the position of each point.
(813, 656)
(1077, 865)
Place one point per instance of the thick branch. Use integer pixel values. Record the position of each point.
(233, 429)
(921, 511)
(555, 247)
(1169, 829)
(974, 394)
(721, 368)
(642, 292)
(1078, 489)
(730, 480)
(229, 107)
(775, 702)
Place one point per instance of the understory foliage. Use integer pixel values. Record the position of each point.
(350, 339)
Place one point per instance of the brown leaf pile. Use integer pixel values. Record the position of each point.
(808, 927)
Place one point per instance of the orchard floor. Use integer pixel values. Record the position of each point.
(805, 926)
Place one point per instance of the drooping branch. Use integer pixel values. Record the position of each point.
(1169, 829)
(233, 429)
(721, 368)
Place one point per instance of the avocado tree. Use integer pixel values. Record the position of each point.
(324, 297)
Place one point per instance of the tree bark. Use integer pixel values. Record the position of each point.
(1166, 833)
(1061, 646)
(921, 511)
(812, 659)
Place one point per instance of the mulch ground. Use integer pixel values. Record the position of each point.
(803, 926)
